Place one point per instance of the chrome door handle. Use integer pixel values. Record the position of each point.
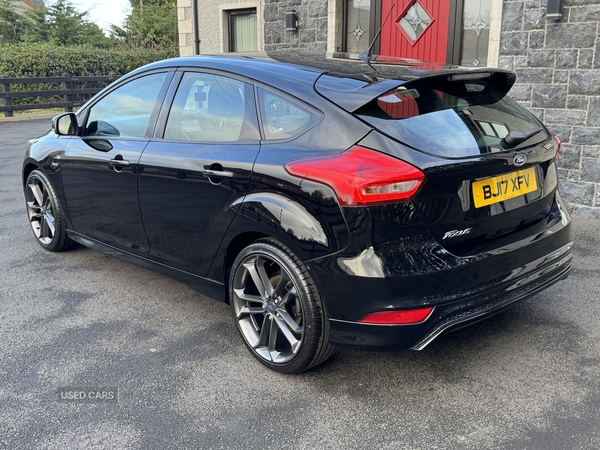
(119, 163)
(217, 173)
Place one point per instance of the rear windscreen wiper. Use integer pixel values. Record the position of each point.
(515, 138)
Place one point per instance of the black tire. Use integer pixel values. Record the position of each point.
(285, 326)
(45, 213)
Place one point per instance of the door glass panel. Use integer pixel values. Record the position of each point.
(126, 111)
(358, 14)
(476, 32)
(208, 108)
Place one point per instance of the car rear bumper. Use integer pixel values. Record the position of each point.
(399, 273)
(449, 316)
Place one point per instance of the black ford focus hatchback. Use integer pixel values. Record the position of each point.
(372, 206)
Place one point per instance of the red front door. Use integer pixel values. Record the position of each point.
(415, 29)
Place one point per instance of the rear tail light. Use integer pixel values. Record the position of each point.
(405, 317)
(557, 139)
(361, 177)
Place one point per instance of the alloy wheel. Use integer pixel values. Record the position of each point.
(40, 210)
(268, 309)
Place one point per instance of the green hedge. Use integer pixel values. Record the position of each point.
(45, 60)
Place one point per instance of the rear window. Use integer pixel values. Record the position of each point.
(453, 119)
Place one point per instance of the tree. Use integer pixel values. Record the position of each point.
(66, 23)
(39, 28)
(13, 25)
(93, 35)
(151, 24)
(61, 23)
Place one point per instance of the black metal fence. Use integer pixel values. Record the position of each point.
(68, 92)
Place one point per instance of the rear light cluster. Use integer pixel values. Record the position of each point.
(361, 177)
(404, 317)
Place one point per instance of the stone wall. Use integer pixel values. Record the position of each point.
(185, 20)
(311, 36)
(558, 78)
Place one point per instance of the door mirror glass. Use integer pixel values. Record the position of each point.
(65, 125)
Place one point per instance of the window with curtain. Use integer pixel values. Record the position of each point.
(243, 35)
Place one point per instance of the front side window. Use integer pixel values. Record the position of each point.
(126, 111)
(243, 35)
(211, 108)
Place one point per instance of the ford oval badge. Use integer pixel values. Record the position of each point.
(520, 159)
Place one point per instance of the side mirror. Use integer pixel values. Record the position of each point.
(65, 124)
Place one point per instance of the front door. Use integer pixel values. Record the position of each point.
(451, 32)
(100, 168)
(415, 29)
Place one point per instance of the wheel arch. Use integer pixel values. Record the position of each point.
(235, 246)
(285, 219)
(29, 167)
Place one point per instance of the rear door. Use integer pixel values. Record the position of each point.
(489, 164)
(197, 166)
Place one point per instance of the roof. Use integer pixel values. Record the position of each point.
(348, 83)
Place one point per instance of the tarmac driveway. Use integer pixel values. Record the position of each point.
(527, 378)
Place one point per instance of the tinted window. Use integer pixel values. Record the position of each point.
(283, 118)
(453, 119)
(210, 108)
(126, 111)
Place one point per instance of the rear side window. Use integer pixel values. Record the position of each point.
(283, 118)
(451, 119)
(211, 108)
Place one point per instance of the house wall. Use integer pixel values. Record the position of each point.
(212, 24)
(185, 21)
(558, 79)
(311, 36)
(557, 65)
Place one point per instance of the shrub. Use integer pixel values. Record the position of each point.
(45, 60)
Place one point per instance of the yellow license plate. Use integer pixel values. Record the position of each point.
(500, 188)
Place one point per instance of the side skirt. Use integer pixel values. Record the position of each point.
(205, 286)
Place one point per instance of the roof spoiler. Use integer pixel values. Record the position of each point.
(367, 88)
